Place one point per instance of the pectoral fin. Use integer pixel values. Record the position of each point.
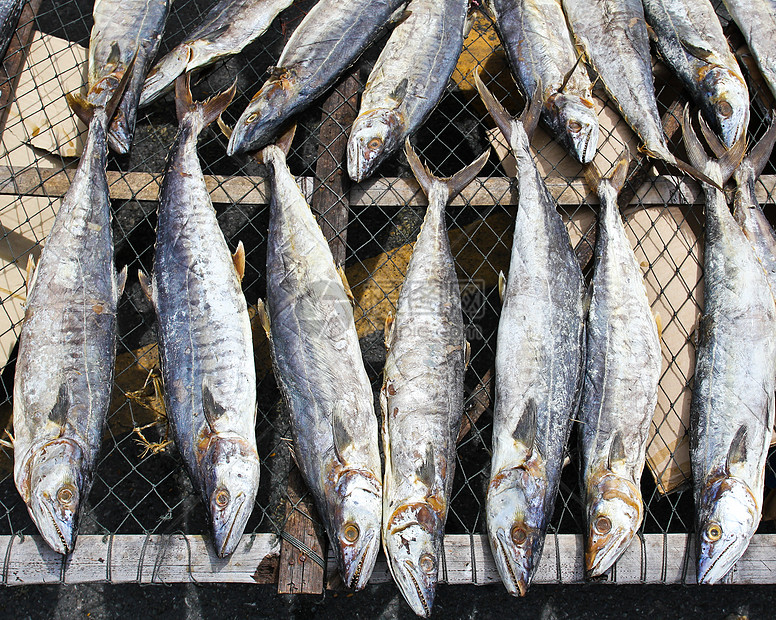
(339, 427)
(211, 409)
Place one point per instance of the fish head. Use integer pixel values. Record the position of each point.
(413, 544)
(728, 516)
(58, 488)
(577, 124)
(355, 526)
(230, 471)
(375, 135)
(265, 113)
(517, 524)
(727, 108)
(614, 514)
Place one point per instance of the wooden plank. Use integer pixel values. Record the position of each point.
(139, 559)
(299, 573)
(11, 68)
(659, 559)
(386, 191)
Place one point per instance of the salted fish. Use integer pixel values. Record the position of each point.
(756, 19)
(10, 12)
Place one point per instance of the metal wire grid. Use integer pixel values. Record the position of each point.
(150, 493)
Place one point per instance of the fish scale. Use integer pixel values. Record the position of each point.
(756, 19)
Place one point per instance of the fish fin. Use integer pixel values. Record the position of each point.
(616, 453)
(454, 184)
(115, 100)
(225, 129)
(400, 92)
(651, 33)
(58, 413)
(344, 279)
(502, 285)
(525, 429)
(261, 311)
(31, 273)
(700, 52)
(467, 354)
(568, 75)
(695, 173)
(146, 285)
(399, 16)
(215, 34)
(659, 325)
(211, 409)
(692, 144)
(761, 152)
(210, 109)
(339, 429)
(592, 177)
(238, 259)
(427, 472)
(286, 139)
(711, 138)
(497, 111)
(530, 116)
(699, 158)
(388, 328)
(737, 452)
(620, 173)
(121, 282)
(81, 107)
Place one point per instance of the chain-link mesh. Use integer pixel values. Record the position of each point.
(140, 485)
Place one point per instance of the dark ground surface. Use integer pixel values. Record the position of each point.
(384, 601)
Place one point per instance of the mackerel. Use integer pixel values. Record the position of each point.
(10, 12)
(619, 393)
(125, 37)
(327, 41)
(690, 39)
(757, 21)
(539, 359)
(226, 30)
(422, 397)
(406, 82)
(67, 346)
(205, 342)
(542, 56)
(613, 37)
(317, 359)
(732, 408)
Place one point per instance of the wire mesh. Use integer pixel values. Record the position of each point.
(140, 485)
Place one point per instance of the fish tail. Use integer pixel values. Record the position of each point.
(728, 162)
(761, 152)
(616, 179)
(453, 184)
(203, 113)
(529, 118)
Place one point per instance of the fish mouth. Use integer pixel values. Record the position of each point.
(519, 586)
(703, 575)
(354, 580)
(597, 562)
(119, 140)
(66, 548)
(425, 607)
(229, 544)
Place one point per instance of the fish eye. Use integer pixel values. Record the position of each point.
(725, 109)
(65, 495)
(374, 144)
(427, 563)
(518, 535)
(222, 498)
(251, 118)
(713, 532)
(575, 126)
(351, 532)
(603, 525)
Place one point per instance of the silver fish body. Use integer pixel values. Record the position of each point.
(226, 30)
(406, 82)
(690, 39)
(321, 374)
(539, 360)
(757, 21)
(619, 395)
(422, 399)
(613, 36)
(10, 11)
(205, 340)
(126, 35)
(541, 54)
(327, 41)
(732, 408)
(67, 349)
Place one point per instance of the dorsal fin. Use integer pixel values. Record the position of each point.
(31, 272)
(58, 413)
(339, 429)
(737, 451)
(261, 311)
(210, 407)
(121, 282)
(616, 452)
(502, 285)
(426, 471)
(238, 258)
(146, 285)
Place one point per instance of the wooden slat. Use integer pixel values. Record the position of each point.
(11, 67)
(387, 191)
(660, 559)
